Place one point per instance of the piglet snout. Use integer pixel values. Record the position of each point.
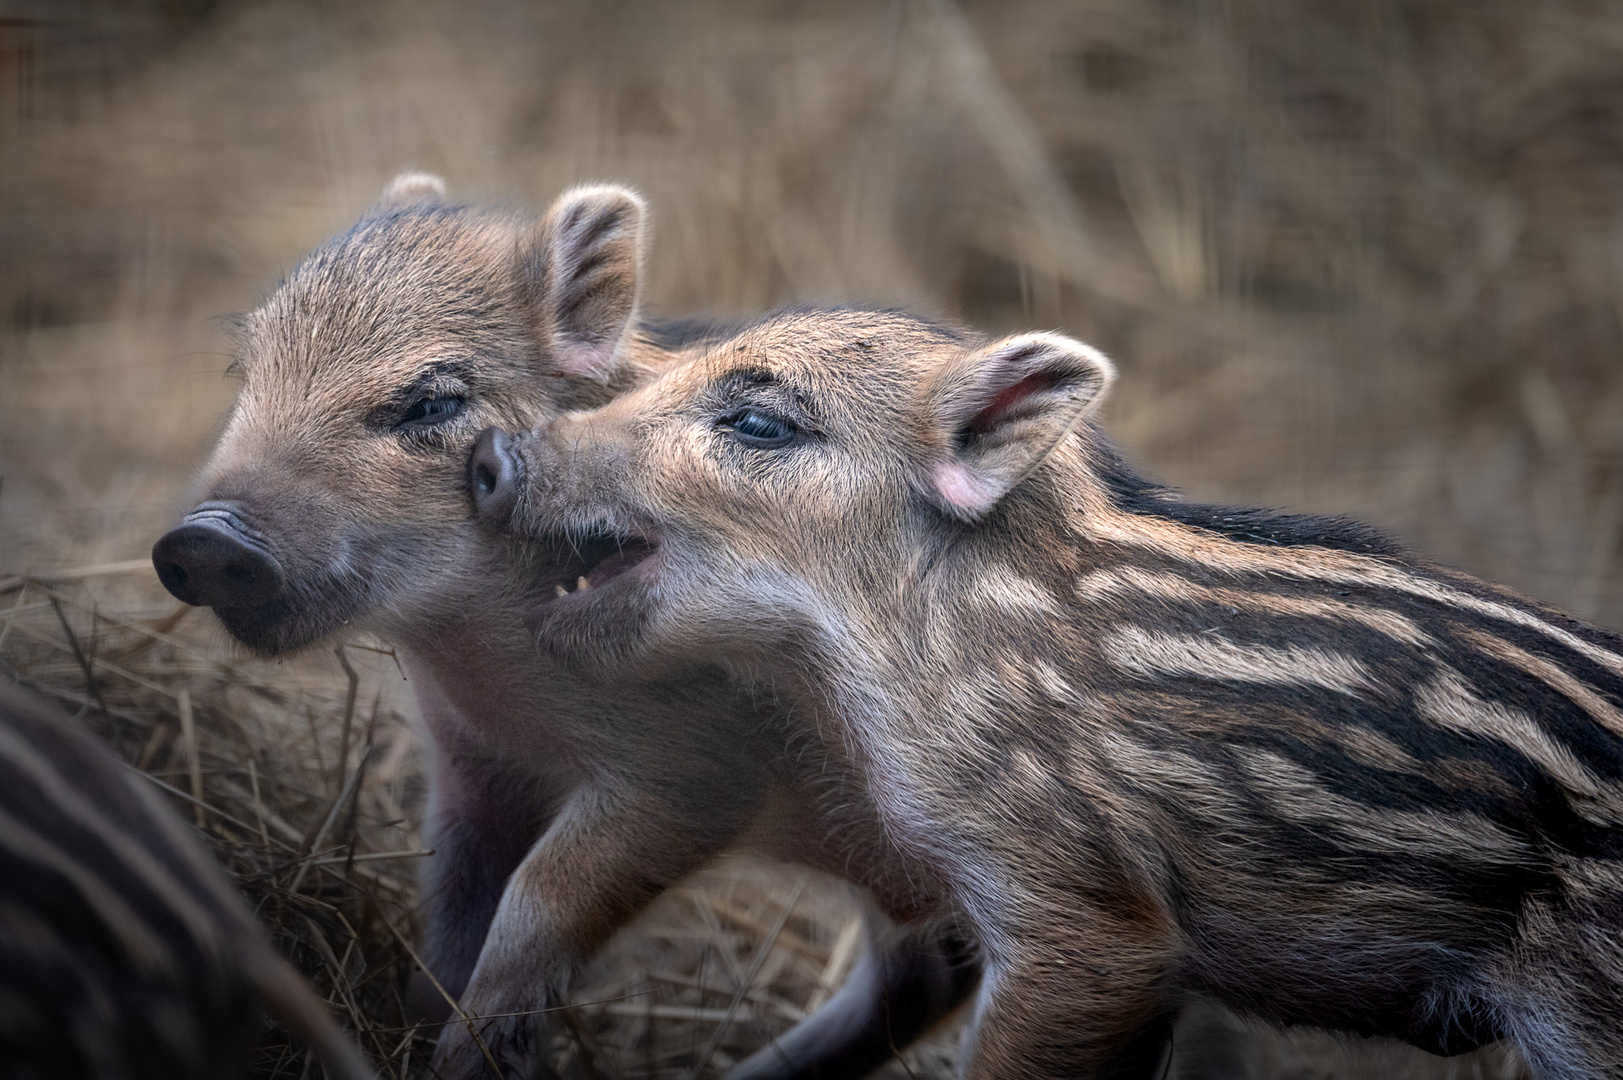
(213, 559)
(493, 475)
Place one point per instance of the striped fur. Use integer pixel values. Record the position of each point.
(123, 952)
(1153, 748)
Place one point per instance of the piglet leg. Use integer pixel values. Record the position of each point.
(481, 823)
(608, 854)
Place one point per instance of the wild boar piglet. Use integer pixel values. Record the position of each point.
(1153, 748)
(337, 499)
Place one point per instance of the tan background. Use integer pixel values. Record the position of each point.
(1361, 256)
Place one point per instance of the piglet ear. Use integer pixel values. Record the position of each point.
(584, 269)
(1000, 410)
(412, 187)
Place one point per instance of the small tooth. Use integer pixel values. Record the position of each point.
(583, 584)
(560, 590)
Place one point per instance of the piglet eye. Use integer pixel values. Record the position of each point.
(431, 411)
(759, 429)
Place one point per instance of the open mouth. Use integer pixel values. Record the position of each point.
(595, 559)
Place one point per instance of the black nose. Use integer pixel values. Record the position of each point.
(211, 560)
(493, 473)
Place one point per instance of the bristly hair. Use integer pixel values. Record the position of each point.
(1246, 524)
(695, 330)
(676, 334)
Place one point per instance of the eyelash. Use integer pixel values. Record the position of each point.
(771, 431)
(433, 410)
(426, 414)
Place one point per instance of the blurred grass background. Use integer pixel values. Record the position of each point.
(1357, 256)
(1353, 255)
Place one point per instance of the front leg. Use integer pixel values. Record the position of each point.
(482, 821)
(608, 854)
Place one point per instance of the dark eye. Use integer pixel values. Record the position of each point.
(431, 411)
(759, 429)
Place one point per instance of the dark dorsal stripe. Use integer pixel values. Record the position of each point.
(1247, 525)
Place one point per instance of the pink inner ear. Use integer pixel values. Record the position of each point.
(587, 361)
(1009, 397)
(962, 488)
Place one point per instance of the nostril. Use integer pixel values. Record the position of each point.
(484, 478)
(491, 472)
(207, 561)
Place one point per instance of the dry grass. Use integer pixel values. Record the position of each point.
(304, 778)
(1361, 256)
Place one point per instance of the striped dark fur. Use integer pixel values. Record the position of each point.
(1152, 749)
(1132, 493)
(123, 952)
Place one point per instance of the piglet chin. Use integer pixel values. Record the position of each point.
(270, 629)
(593, 629)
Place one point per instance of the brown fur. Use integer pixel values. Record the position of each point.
(1152, 749)
(558, 808)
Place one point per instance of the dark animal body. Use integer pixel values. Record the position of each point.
(1149, 748)
(124, 953)
(558, 807)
